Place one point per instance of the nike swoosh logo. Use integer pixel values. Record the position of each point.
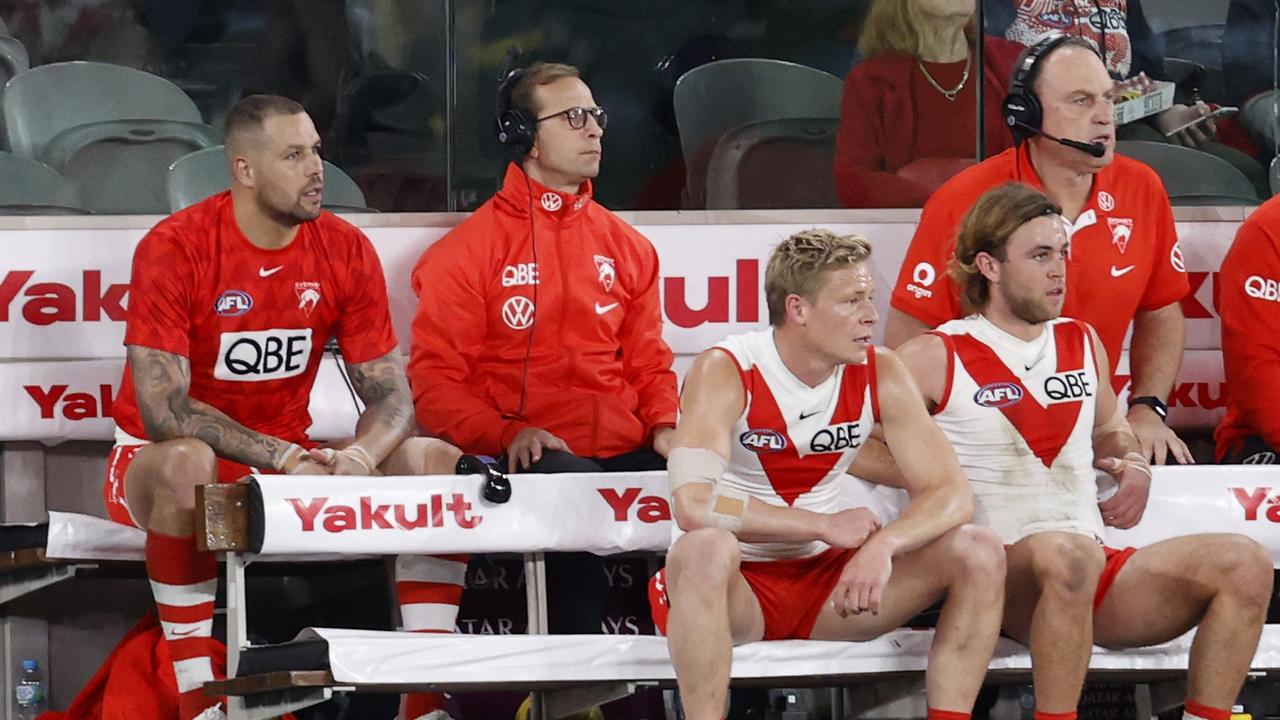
(1117, 272)
(602, 309)
(263, 272)
(192, 631)
(806, 416)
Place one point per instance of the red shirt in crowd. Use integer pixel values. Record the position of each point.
(899, 138)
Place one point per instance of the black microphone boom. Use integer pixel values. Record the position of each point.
(1096, 149)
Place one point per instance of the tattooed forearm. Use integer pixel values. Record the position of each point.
(162, 381)
(388, 415)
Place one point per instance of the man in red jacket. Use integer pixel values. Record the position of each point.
(538, 334)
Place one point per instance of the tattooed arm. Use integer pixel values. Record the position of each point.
(388, 416)
(163, 380)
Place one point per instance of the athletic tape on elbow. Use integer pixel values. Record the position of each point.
(727, 507)
(694, 465)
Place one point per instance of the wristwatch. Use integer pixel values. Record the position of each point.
(1152, 402)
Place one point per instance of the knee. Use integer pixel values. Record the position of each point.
(977, 553)
(1245, 569)
(187, 463)
(706, 556)
(431, 456)
(1069, 566)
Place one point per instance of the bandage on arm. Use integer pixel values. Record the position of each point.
(726, 507)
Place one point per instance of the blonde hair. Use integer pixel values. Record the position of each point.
(799, 263)
(986, 228)
(892, 27)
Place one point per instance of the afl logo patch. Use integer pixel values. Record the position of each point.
(998, 395)
(763, 441)
(232, 303)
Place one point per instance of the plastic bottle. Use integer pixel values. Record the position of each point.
(1238, 713)
(28, 694)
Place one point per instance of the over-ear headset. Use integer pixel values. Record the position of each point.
(515, 126)
(1022, 111)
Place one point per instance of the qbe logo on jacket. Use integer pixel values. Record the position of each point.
(259, 355)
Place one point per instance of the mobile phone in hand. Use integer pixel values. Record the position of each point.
(1224, 111)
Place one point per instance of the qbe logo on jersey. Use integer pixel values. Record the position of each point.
(259, 355)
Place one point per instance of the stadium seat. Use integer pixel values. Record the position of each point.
(13, 58)
(714, 98)
(50, 99)
(1192, 177)
(743, 170)
(110, 130)
(203, 173)
(28, 187)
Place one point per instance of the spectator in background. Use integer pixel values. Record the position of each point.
(1119, 29)
(1125, 264)
(1248, 63)
(908, 122)
(538, 334)
(1249, 286)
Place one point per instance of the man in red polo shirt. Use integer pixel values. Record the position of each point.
(1125, 264)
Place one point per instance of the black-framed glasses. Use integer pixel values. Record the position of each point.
(577, 116)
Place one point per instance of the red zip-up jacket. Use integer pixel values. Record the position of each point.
(589, 366)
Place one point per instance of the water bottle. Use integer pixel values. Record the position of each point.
(28, 694)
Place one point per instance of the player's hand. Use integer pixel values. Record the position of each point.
(309, 466)
(1158, 441)
(343, 461)
(849, 528)
(662, 440)
(527, 446)
(862, 582)
(1179, 115)
(1133, 478)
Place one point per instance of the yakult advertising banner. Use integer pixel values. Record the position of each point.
(63, 296)
(621, 512)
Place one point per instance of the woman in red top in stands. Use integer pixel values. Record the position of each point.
(907, 123)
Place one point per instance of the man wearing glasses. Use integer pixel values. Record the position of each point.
(538, 334)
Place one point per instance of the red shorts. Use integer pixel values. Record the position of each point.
(121, 456)
(1115, 560)
(791, 593)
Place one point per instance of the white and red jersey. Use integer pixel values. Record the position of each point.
(252, 322)
(1020, 416)
(793, 443)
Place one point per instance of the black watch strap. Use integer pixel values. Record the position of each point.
(1152, 402)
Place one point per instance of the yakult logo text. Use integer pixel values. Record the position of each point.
(51, 302)
(71, 405)
(1256, 502)
(649, 508)
(746, 296)
(396, 516)
(259, 355)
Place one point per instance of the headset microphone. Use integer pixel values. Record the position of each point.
(1095, 149)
